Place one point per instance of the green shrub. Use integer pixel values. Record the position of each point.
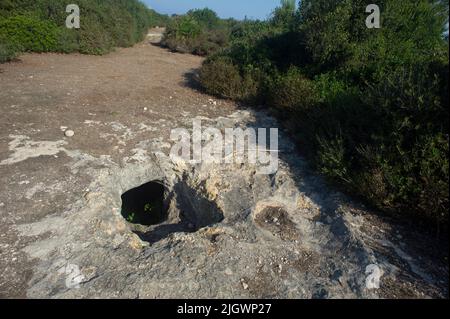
(92, 39)
(68, 41)
(249, 30)
(413, 140)
(331, 158)
(221, 77)
(204, 47)
(332, 89)
(182, 34)
(283, 16)
(184, 27)
(198, 32)
(29, 33)
(369, 107)
(39, 25)
(206, 18)
(254, 85)
(292, 90)
(7, 52)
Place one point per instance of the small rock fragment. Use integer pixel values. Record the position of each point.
(69, 133)
(280, 268)
(89, 273)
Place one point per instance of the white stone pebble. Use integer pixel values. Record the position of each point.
(69, 133)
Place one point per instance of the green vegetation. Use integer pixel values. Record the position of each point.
(131, 218)
(369, 107)
(7, 52)
(145, 215)
(39, 26)
(199, 32)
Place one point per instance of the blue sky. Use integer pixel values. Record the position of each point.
(259, 9)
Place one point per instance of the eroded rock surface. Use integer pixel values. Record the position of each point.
(229, 233)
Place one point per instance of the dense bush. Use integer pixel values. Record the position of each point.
(183, 34)
(7, 52)
(39, 26)
(199, 32)
(222, 78)
(292, 91)
(206, 18)
(29, 34)
(369, 107)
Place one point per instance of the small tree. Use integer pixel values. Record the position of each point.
(283, 16)
(205, 17)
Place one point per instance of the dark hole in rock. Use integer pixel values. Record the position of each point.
(144, 205)
(196, 210)
(186, 211)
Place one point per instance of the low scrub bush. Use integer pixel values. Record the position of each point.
(7, 52)
(222, 78)
(198, 32)
(39, 26)
(29, 33)
(369, 107)
(292, 91)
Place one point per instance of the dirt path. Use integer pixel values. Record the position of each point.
(58, 197)
(111, 102)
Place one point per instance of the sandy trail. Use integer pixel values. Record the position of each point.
(102, 99)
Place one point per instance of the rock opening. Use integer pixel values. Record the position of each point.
(144, 205)
(166, 210)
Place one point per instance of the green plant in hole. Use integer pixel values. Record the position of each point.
(131, 217)
(154, 207)
(148, 208)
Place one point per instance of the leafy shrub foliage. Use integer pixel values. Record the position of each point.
(7, 52)
(39, 25)
(29, 33)
(369, 107)
(292, 91)
(199, 32)
(221, 77)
